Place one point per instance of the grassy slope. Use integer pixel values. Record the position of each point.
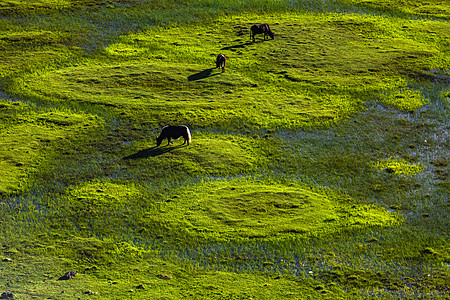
(306, 77)
(101, 200)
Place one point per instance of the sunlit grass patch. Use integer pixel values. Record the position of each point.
(399, 166)
(406, 99)
(156, 84)
(251, 209)
(207, 154)
(99, 197)
(122, 50)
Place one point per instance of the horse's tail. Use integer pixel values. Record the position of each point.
(188, 135)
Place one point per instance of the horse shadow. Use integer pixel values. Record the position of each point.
(152, 152)
(202, 74)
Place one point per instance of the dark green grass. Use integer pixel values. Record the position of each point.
(318, 166)
(30, 137)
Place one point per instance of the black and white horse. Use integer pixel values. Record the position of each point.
(261, 29)
(174, 132)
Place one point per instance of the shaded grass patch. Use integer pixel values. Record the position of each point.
(31, 137)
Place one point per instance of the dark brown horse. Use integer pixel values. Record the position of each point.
(221, 60)
(174, 132)
(261, 29)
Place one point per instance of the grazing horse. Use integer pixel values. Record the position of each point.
(261, 28)
(221, 60)
(174, 132)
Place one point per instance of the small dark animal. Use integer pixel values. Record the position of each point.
(68, 275)
(259, 29)
(221, 60)
(174, 132)
(7, 295)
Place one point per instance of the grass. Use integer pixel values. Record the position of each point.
(227, 210)
(319, 85)
(27, 138)
(318, 167)
(399, 167)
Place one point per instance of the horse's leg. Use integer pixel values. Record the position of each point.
(168, 141)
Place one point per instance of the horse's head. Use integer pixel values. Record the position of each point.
(270, 33)
(158, 141)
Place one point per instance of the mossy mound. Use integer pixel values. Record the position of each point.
(407, 100)
(251, 209)
(101, 196)
(397, 166)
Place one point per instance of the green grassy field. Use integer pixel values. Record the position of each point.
(318, 167)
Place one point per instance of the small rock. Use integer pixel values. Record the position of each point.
(163, 276)
(141, 286)
(6, 259)
(68, 275)
(6, 295)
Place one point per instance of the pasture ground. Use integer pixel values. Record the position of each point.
(318, 167)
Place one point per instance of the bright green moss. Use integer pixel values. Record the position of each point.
(406, 100)
(397, 167)
(101, 196)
